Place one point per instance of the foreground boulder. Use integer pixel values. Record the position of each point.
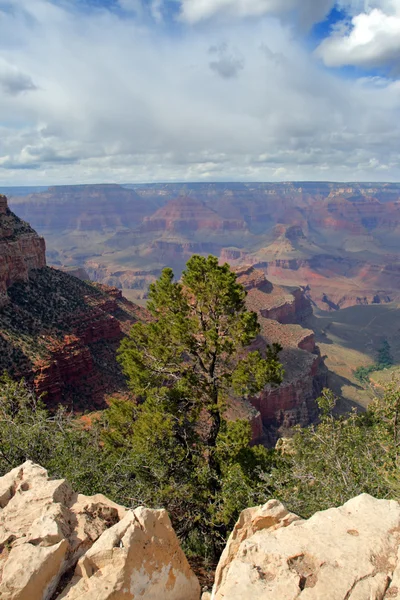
(346, 553)
(56, 544)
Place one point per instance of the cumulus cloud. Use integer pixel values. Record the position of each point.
(116, 100)
(370, 39)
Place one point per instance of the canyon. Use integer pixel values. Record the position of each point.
(57, 331)
(340, 242)
(61, 333)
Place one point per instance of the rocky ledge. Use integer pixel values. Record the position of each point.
(59, 545)
(346, 553)
(280, 310)
(56, 544)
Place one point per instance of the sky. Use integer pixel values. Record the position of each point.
(131, 91)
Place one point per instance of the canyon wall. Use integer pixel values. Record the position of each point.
(338, 241)
(57, 331)
(281, 312)
(21, 250)
(62, 334)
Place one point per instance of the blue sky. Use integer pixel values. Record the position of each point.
(199, 90)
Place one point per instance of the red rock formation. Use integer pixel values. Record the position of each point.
(308, 234)
(283, 304)
(55, 330)
(84, 208)
(21, 250)
(293, 402)
(185, 214)
(81, 367)
(69, 363)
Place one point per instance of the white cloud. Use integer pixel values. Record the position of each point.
(117, 101)
(371, 38)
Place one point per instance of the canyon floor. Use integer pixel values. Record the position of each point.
(350, 338)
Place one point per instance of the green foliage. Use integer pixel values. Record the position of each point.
(183, 366)
(58, 442)
(327, 464)
(363, 373)
(385, 360)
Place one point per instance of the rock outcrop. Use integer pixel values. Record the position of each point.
(21, 250)
(56, 544)
(346, 553)
(184, 214)
(280, 310)
(61, 334)
(57, 331)
(59, 545)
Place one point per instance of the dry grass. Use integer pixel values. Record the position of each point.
(350, 338)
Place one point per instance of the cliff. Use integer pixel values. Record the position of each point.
(339, 241)
(56, 544)
(62, 333)
(57, 331)
(21, 250)
(335, 282)
(280, 310)
(287, 305)
(185, 214)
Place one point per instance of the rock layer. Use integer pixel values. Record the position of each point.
(21, 250)
(56, 544)
(280, 312)
(346, 553)
(58, 332)
(338, 240)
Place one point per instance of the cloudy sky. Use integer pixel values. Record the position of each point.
(199, 90)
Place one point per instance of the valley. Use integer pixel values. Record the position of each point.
(350, 338)
(339, 241)
(61, 333)
(338, 244)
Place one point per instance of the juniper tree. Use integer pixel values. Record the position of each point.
(183, 365)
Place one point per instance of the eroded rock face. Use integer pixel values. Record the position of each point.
(21, 250)
(280, 312)
(346, 553)
(103, 550)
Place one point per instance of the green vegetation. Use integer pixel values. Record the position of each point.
(321, 466)
(385, 360)
(173, 448)
(184, 365)
(325, 465)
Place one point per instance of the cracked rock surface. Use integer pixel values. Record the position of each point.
(346, 553)
(59, 545)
